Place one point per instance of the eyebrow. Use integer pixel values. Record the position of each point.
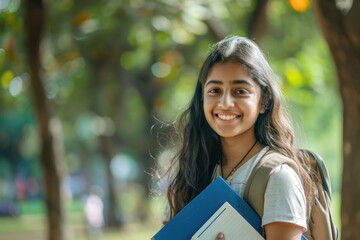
(236, 82)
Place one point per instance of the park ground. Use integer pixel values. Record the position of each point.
(31, 225)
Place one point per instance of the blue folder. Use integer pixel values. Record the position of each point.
(185, 224)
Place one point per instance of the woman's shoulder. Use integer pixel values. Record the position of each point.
(285, 174)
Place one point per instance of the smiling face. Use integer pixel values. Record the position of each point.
(232, 100)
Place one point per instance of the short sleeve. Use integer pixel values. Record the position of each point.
(285, 198)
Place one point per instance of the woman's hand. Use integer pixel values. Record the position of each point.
(277, 230)
(220, 236)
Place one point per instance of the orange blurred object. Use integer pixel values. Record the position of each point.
(299, 5)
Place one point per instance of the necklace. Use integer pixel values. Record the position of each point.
(230, 176)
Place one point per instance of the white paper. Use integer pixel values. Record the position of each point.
(229, 221)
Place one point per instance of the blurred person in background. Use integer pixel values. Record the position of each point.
(93, 211)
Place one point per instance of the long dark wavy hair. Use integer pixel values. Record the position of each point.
(200, 148)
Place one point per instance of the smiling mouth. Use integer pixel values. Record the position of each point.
(227, 117)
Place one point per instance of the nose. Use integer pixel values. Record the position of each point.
(226, 100)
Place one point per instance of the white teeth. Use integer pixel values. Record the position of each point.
(227, 117)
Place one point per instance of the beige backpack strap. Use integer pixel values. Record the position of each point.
(256, 185)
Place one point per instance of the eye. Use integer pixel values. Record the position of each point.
(241, 91)
(214, 90)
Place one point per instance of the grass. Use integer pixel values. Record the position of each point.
(33, 230)
(32, 224)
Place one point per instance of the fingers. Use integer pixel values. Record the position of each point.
(220, 236)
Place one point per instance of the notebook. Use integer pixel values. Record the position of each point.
(196, 213)
(229, 221)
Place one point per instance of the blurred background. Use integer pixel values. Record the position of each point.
(89, 89)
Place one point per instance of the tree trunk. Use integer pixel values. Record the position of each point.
(113, 219)
(342, 33)
(34, 20)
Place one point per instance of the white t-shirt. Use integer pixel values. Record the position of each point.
(284, 199)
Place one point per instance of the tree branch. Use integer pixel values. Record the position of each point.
(257, 25)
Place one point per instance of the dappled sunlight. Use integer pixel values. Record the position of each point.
(90, 96)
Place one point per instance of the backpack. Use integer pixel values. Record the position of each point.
(321, 223)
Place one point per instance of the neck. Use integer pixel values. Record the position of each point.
(227, 171)
(235, 149)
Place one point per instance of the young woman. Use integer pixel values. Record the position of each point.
(233, 119)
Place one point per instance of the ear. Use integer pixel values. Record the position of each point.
(264, 105)
(262, 108)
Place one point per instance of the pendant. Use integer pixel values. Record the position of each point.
(229, 179)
